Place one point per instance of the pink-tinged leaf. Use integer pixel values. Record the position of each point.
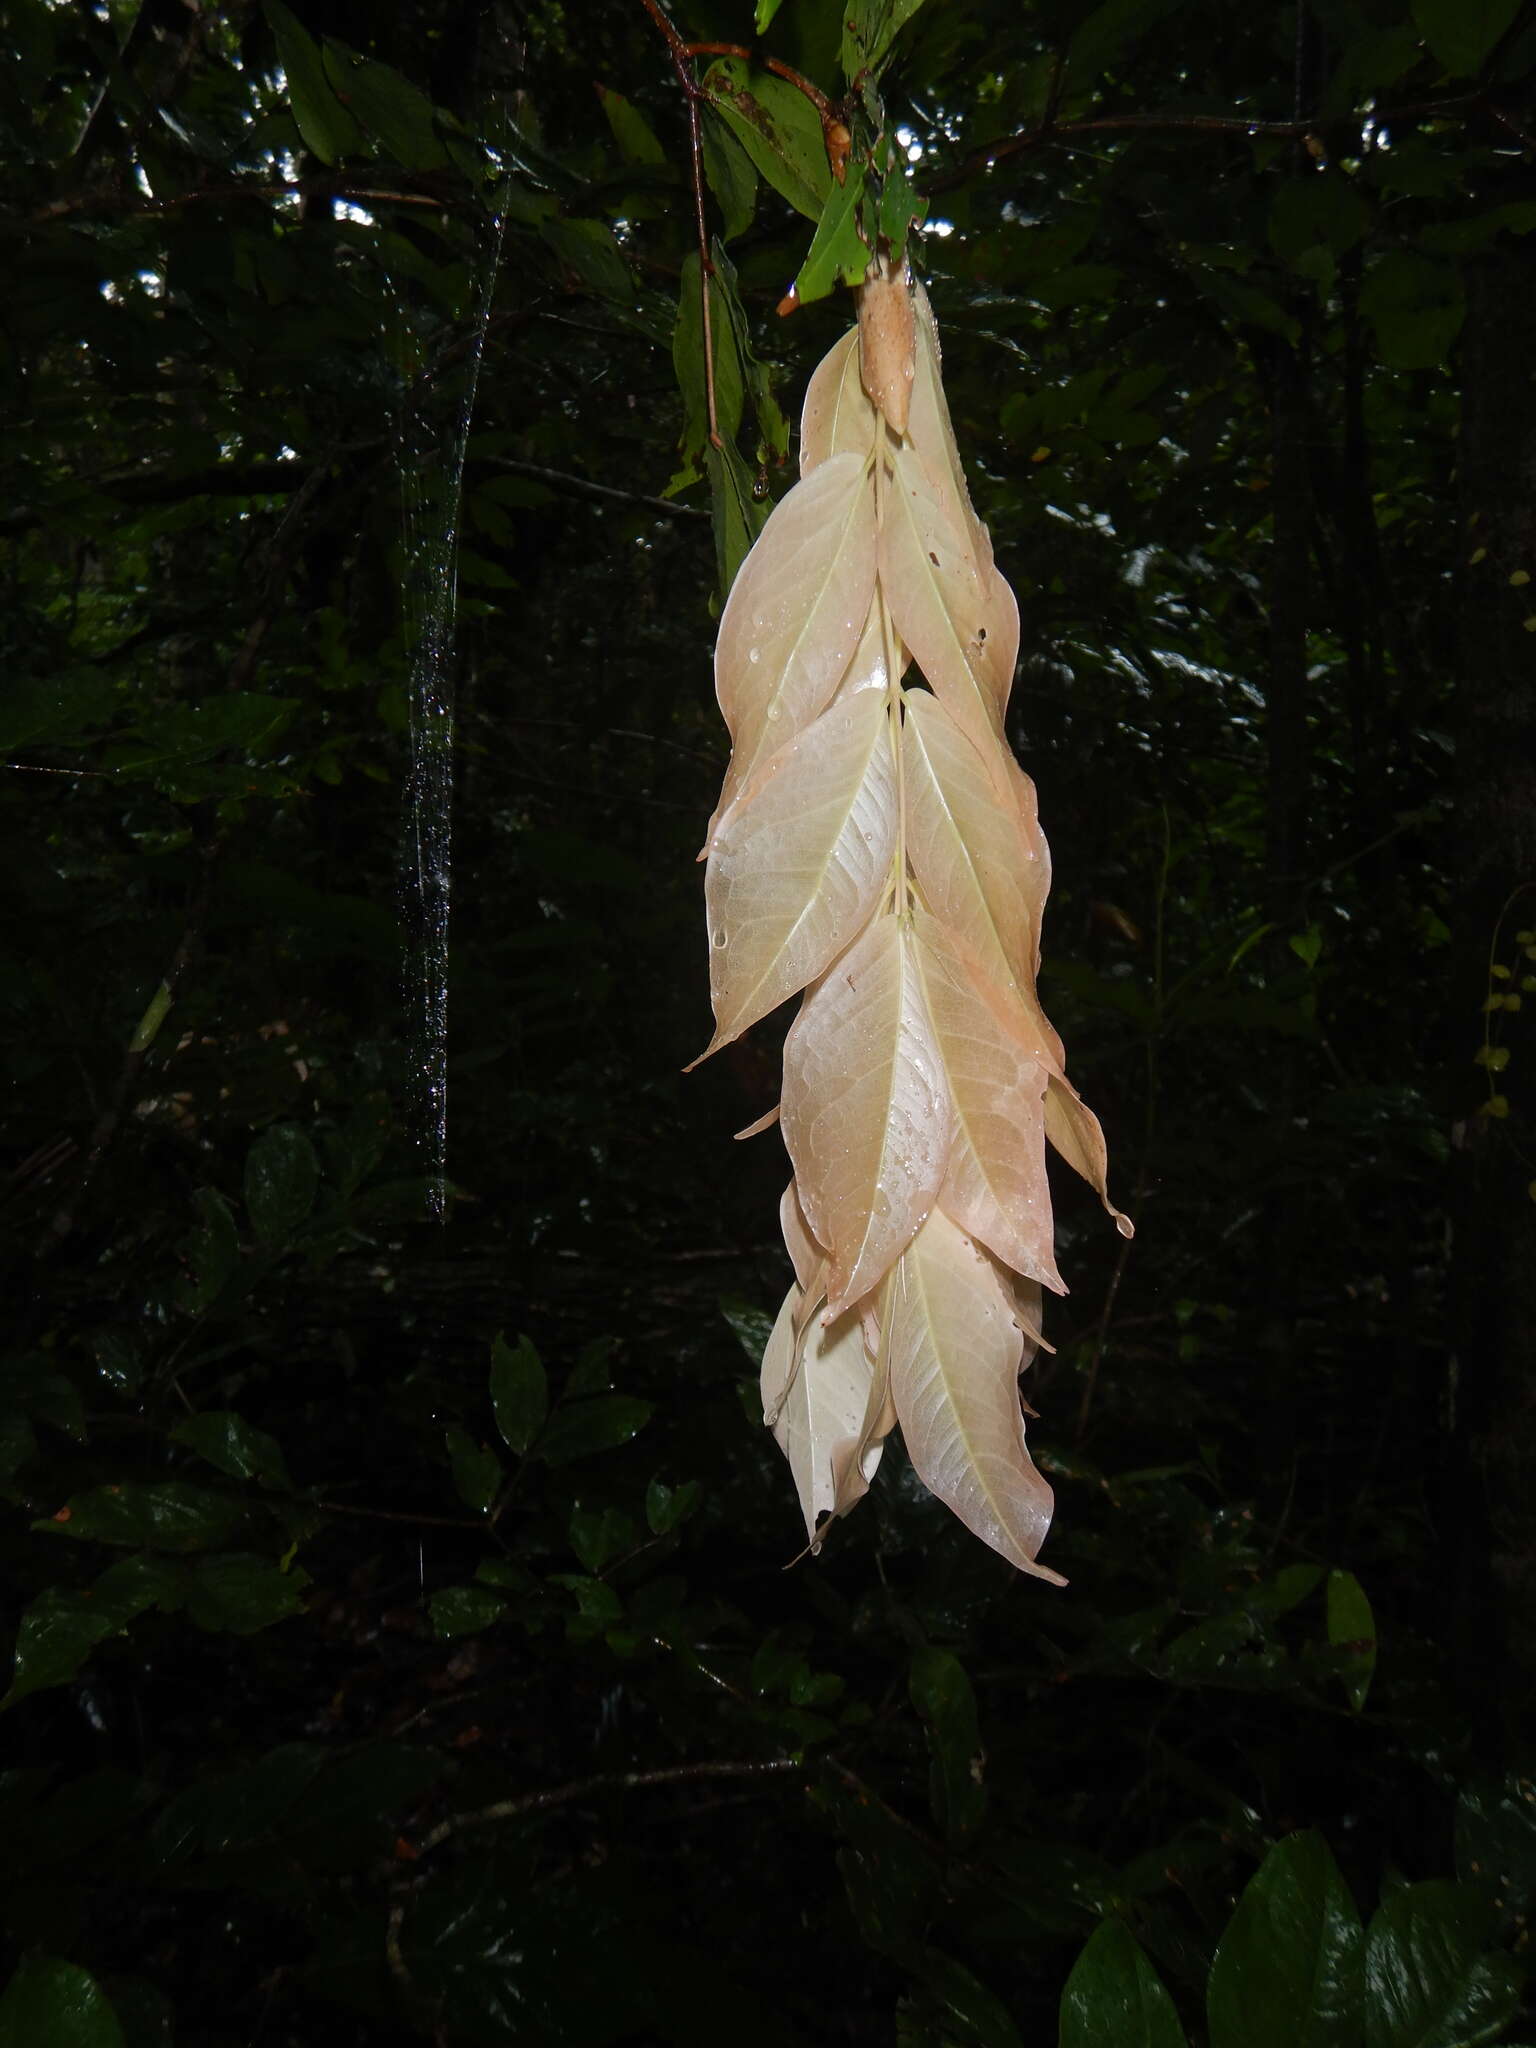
(799, 863)
(868, 668)
(1025, 1299)
(805, 1254)
(887, 341)
(974, 843)
(965, 638)
(933, 437)
(955, 1354)
(760, 1124)
(815, 1388)
(837, 417)
(996, 1187)
(794, 615)
(866, 1109)
(856, 1460)
(1074, 1130)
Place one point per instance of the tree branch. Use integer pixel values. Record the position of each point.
(583, 487)
(605, 1781)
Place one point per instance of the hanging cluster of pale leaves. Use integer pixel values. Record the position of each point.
(878, 848)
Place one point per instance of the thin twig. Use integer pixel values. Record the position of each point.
(336, 1507)
(605, 1781)
(682, 64)
(1049, 130)
(583, 487)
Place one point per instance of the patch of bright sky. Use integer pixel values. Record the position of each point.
(347, 209)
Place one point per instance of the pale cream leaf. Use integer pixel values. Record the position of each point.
(795, 615)
(996, 1187)
(815, 1404)
(964, 637)
(974, 842)
(955, 1353)
(933, 436)
(837, 417)
(799, 863)
(866, 1110)
(1075, 1132)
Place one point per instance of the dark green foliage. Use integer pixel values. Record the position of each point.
(382, 1678)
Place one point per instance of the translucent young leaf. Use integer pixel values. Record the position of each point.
(1074, 1130)
(868, 668)
(974, 843)
(815, 1386)
(964, 634)
(805, 1254)
(799, 862)
(996, 1187)
(794, 615)
(837, 417)
(955, 1354)
(933, 437)
(866, 1111)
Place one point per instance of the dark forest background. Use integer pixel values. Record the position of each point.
(404, 1645)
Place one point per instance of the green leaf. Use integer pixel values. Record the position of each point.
(1415, 307)
(1352, 1628)
(599, 1535)
(598, 1424)
(739, 515)
(869, 29)
(838, 252)
(476, 1470)
(587, 247)
(282, 1175)
(773, 428)
(162, 1514)
(668, 1506)
(241, 1593)
(1316, 215)
(596, 1601)
(1102, 38)
(631, 131)
(1429, 1983)
(30, 1384)
(1463, 33)
(752, 1326)
(1114, 1998)
(978, 2016)
(61, 1627)
(211, 1252)
(234, 1447)
(326, 126)
(53, 2004)
(591, 1374)
(397, 113)
(942, 1695)
(18, 1444)
(778, 128)
(465, 1610)
(763, 16)
(731, 176)
(519, 1392)
(900, 205)
(1286, 1973)
(1306, 945)
(1496, 1842)
(688, 359)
